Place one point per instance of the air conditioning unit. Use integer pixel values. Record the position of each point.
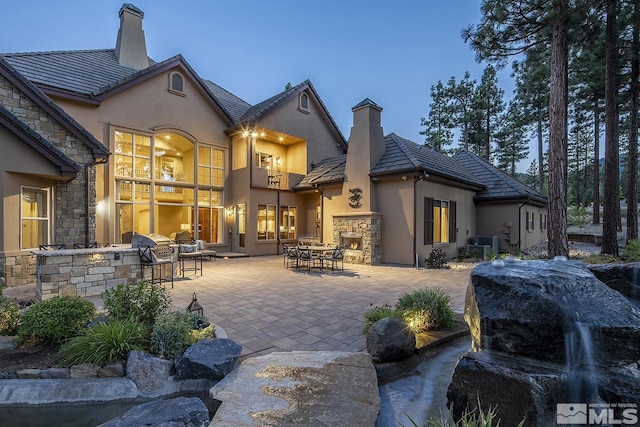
(492, 241)
(481, 251)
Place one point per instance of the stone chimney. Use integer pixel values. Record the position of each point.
(366, 147)
(131, 48)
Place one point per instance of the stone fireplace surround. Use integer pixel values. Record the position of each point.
(360, 233)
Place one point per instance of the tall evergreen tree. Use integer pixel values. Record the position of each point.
(439, 125)
(634, 92)
(462, 105)
(489, 106)
(509, 28)
(532, 91)
(511, 140)
(611, 207)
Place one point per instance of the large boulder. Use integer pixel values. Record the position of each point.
(390, 339)
(299, 388)
(149, 373)
(624, 278)
(545, 332)
(524, 308)
(181, 411)
(208, 359)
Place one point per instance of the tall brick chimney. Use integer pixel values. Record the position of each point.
(131, 48)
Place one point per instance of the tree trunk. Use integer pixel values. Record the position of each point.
(596, 162)
(557, 232)
(632, 158)
(611, 161)
(540, 153)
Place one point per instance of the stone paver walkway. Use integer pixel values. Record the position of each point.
(267, 308)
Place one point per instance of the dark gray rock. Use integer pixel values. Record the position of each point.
(149, 373)
(624, 278)
(112, 370)
(523, 308)
(180, 411)
(84, 370)
(55, 374)
(390, 339)
(210, 358)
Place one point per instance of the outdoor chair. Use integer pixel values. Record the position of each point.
(336, 257)
(86, 245)
(187, 253)
(206, 252)
(148, 259)
(305, 256)
(52, 247)
(290, 256)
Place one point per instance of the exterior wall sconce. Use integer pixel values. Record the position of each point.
(230, 211)
(195, 307)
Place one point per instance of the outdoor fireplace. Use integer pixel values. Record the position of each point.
(351, 241)
(360, 235)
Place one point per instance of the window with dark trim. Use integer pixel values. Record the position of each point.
(440, 225)
(176, 83)
(530, 221)
(303, 103)
(543, 222)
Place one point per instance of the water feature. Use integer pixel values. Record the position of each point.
(416, 396)
(580, 366)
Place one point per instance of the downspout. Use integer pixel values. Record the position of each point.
(321, 231)
(415, 217)
(278, 220)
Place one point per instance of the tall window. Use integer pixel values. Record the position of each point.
(303, 103)
(34, 217)
(210, 166)
(439, 221)
(176, 83)
(530, 221)
(543, 222)
(266, 222)
(287, 222)
(210, 216)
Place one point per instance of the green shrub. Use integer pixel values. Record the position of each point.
(437, 259)
(578, 216)
(142, 301)
(174, 332)
(632, 251)
(105, 343)
(426, 309)
(377, 313)
(9, 315)
(56, 320)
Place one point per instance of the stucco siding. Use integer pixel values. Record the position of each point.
(508, 222)
(395, 203)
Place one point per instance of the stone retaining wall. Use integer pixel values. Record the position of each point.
(85, 272)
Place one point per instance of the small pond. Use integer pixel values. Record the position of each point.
(78, 414)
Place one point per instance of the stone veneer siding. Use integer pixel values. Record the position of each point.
(367, 225)
(70, 211)
(85, 272)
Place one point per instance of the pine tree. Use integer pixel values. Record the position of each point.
(439, 125)
(488, 108)
(511, 142)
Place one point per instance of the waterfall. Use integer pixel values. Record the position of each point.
(580, 367)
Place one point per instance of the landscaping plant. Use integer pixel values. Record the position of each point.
(377, 313)
(142, 301)
(174, 332)
(105, 343)
(437, 259)
(55, 320)
(9, 315)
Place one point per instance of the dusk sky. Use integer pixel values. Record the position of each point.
(389, 51)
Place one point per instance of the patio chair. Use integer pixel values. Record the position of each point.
(86, 245)
(290, 256)
(336, 257)
(148, 259)
(205, 251)
(189, 252)
(306, 256)
(52, 247)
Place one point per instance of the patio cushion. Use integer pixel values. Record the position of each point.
(188, 248)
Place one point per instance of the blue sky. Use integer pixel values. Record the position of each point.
(391, 52)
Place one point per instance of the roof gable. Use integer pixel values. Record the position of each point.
(67, 167)
(499, 185)
(100, 152)
(271, 104)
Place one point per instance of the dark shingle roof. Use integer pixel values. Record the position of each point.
(84, 72)
(328, 171)
(404, 155)
(232, 104)
(499, 185)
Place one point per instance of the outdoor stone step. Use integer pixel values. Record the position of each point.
(322, 388)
